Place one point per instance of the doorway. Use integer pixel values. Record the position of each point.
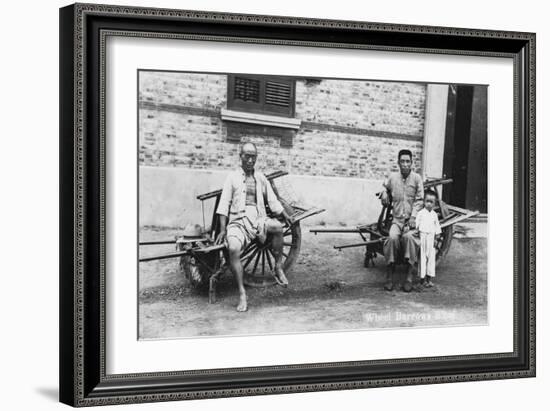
(465, 153)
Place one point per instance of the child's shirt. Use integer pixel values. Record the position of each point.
(427, 222)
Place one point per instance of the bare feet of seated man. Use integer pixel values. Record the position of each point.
(243, 304)
(280, 276)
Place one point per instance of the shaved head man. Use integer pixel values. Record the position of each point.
(243, 217)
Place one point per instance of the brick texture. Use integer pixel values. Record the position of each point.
(351, 128)
(186, 89)
(377, 106)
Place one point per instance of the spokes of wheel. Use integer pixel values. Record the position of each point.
(287, 245)
(255, 255)
(268, 256)
(251, 248)
(258, 260)
(258, 264)
(250, 257)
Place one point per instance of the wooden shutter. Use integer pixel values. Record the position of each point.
(279, 97)
(247, 89)
(277, 94)
(261, 94)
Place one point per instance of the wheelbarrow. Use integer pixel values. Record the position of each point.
(373, 235)
(202, 262)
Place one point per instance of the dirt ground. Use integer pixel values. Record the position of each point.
(329, 290)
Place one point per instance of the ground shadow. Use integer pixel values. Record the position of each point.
(51, 393)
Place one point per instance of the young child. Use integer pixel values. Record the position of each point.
(428, 226)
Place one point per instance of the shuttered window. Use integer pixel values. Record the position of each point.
(261, 94)
(247, 89)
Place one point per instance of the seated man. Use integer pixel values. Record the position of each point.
(242, 201)
(407, 192)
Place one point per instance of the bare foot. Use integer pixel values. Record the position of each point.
(212, 298)
(280, 277)
(243, 305)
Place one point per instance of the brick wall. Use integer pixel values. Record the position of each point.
(186, 89)
(349, 128)
(375, 106)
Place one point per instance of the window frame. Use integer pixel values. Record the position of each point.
(261, 107)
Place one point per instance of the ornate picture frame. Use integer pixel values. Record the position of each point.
(84, 29)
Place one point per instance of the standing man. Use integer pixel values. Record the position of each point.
(407, 192)
(243, 217)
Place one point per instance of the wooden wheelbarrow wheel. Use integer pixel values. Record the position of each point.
(197, 270)
(259, 262)
(258, 259)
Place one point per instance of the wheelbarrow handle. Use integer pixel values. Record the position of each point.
(198, 250)
(361, 244)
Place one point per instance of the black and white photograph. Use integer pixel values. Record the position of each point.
(285, 205)
(277, 204)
